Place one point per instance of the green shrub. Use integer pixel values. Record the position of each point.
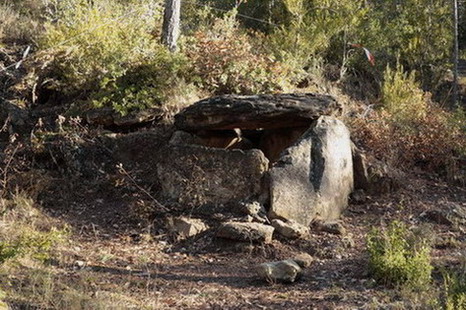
(144, 85)
(454, 291)
(91, 46)
(402, 97)
(398, 257)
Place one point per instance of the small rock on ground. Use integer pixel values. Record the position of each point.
(251, 232)
(291, 229)
(286, 271)
(187, 227)
(332, 227)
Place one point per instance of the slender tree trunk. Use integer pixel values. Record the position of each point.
(171, 24)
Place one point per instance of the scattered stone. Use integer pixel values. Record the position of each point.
(187, 227)
(304, 260)
(332, 227)
(348, 242)
(286, 271)
(251, 208)
(257, 111)
(314, 177)
(203, 176)
(254, 209)
(249, 232)
(291, 229)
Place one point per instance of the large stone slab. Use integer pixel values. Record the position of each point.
(200, 175)
(253, 112)
(314, 177)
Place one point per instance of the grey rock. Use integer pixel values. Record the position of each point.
(258, 111)
(187, 227)
(251, 208)
(304, 260)
(180, 137)
(291, 229)
(286, 271)
(201, 175)
(314, 177)
(250, 232)
(332, 227)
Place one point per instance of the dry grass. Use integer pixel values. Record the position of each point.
(16, 27)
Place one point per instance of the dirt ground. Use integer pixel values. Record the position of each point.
(116, 251)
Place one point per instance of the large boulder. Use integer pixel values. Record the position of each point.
(253, 112)
(314, 177)
(202, 175)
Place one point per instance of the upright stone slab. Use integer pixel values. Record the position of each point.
(314, 177)
(201, 175)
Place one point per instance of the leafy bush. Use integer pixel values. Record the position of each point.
(410, 130)
(398, 257)
(101, 47)
(454, 291)
(143, 85)
(401, 96)
(225, 61)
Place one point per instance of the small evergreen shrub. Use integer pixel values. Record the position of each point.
(398, 257)
(402, 97)
(454, 290)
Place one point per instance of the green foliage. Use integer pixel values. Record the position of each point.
(225, 61)
(98, 47)
(402, 97)
(416, 31)
(143, 85)
(35, 244)
(454, 291)
(398, 257)
(309, 29)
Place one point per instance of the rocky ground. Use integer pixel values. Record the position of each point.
(113, 251)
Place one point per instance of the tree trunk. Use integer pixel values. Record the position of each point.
(171, 24)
